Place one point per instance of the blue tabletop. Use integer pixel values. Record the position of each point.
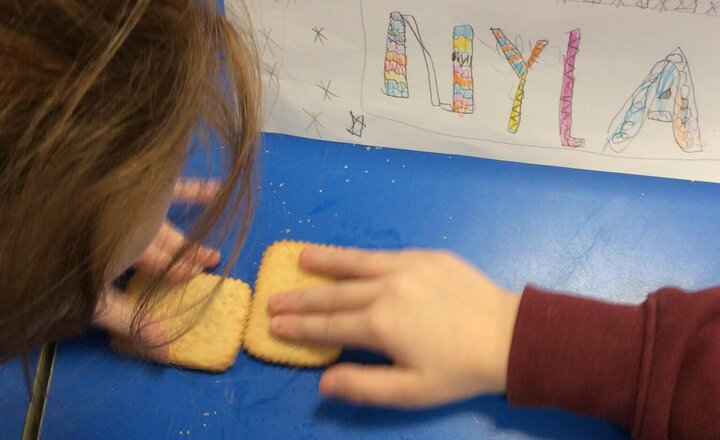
(605, 235)
(15, 395)
(13, 399)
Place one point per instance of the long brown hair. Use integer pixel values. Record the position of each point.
(98, 101)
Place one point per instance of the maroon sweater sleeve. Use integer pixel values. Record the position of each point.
(653, 368)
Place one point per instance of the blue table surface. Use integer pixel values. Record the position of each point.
(605, 235)
(14, 395)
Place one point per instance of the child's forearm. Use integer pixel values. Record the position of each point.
(651, 368)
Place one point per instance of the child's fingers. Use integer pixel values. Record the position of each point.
(153, 260)
(203, 256)
(195, 190)
(372, 385)
(345, 328)
(347, 262)
(170, 239)
(182, 271)
(333, 297)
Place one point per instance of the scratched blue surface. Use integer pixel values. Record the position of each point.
(605, 235)
(14, 396)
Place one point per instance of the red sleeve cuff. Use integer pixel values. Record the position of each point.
(576, 353)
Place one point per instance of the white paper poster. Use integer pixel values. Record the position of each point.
(617, 85)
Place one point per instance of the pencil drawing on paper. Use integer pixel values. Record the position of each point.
(358, 125)
(273, 77)
(396, 64)
(328, 95)
(521, 68)
(319, 35)
(315, 123)
(396, 58)
(566, 95)
(463, 99)
(698, 7)
(597, 84)
(666, 95)
(268, 42)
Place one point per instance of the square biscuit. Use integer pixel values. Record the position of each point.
(205, 332)
(279, 272)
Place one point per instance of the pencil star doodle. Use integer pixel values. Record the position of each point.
(272, 76)
(267, 41)
(314, 121)
(319, 35)
(713, 8)
(358, 125)
(327, 94)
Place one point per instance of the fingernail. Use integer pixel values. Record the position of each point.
(309, 255)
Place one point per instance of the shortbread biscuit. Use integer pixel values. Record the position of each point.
(280, 272)
(206, 333)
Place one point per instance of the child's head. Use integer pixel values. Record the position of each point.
(98, 101)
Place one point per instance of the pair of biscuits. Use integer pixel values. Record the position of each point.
(203, 326)
(207, 332)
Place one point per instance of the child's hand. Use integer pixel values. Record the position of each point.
(114, 313)
(445, 326)
(169, 239)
